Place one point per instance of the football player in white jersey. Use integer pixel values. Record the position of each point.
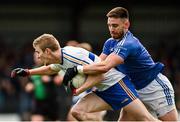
(114, 89)
(99, 116)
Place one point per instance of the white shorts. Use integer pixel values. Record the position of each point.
(158, 96)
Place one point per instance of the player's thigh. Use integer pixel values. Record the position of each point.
(136, 109)
(119, 95)
(124, 116)
(170, 116)
(158, 96)
(91, 103)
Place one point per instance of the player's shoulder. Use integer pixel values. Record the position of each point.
(68, 47)
(129, 42)
(130, 39)
(110, 39)
(70, 50)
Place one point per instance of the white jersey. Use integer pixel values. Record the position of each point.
(73, 56)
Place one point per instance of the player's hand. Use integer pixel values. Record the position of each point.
(73, 89)
(69, 74)
(70, 88)
(20, 72)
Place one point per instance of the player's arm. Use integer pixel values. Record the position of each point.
(91, 81)
(95, 68)
(103, 56)
(111, 61)
(43, 70)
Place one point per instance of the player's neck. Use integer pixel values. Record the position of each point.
(58, 55)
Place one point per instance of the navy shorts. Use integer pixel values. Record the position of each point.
(119, 95)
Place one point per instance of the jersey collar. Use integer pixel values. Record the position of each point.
(122, 36)
(61, 57)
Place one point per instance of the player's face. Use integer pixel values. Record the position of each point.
(42, 56)
(116, 27)
(37, 61)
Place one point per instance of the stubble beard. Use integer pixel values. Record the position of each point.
(119, 35)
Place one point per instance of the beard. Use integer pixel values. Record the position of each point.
(118, 35)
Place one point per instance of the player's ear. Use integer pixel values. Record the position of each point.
(126, 24)
(47, 51)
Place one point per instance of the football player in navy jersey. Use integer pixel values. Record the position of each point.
(126, 53)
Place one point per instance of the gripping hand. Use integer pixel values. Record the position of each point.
(70, 88)
(69, 74)
(20, 72)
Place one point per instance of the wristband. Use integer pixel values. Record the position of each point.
(80, 69)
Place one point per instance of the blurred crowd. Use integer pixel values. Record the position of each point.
(15, 99)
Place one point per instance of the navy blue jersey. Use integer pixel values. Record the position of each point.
(138, 64)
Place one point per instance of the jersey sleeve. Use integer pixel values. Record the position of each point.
(55, 67)
(106, 49)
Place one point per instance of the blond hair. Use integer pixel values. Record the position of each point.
(46, 41)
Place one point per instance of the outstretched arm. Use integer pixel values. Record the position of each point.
(43, 70)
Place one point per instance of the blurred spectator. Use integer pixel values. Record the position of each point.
(85, 45)
(72, 43)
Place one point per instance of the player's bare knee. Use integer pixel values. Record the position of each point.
(77, 113)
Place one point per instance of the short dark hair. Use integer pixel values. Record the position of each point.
(118, 12)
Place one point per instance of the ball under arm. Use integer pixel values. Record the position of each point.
(80, 69)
